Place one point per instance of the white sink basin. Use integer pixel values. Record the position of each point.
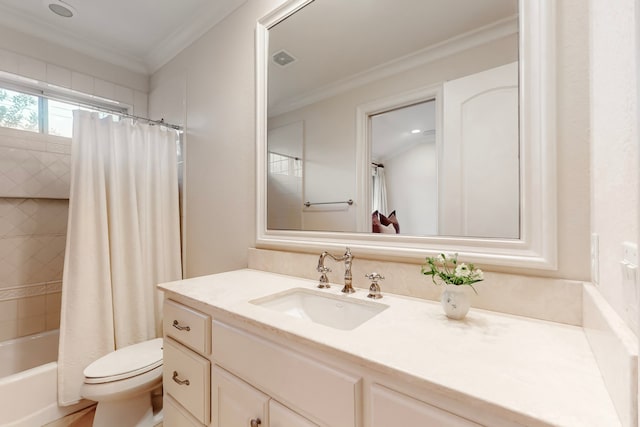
(335, 311)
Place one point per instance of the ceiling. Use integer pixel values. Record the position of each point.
(141, 35)
(339, 45)
(395, 131)
(333, 40)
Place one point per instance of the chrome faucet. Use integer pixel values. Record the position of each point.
(323, 282)
(348, 279)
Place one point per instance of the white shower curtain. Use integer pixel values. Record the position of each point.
(379, 190)
(123, 238)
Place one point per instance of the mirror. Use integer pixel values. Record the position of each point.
(407, 127)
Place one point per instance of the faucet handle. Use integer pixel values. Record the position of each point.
(374, 289)
(323, 282)
(374, 277)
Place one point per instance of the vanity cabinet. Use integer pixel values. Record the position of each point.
(285, 378)
(237, 403)
(391, 408)
(186, 367)
(242, 375)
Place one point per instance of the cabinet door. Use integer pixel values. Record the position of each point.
(176, 416)
(281, 416)
(390, 408)
(235, 403)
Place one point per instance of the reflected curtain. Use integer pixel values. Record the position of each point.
(379, 190)
(123, 238)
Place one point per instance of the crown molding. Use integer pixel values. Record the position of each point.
(189, 32)
(163, 52)
(36, 28)
(478, 37)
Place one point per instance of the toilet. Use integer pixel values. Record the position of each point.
(122, 383)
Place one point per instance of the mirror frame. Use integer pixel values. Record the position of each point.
(537, 246)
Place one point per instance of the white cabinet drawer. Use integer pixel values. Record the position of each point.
(390, 408)
(303, 384)
(175, 415)
(185, 377)
(187, 326)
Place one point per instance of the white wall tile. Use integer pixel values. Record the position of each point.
(28, 173)
(124, 94)
(52, 321)
(8, 310)
(58, 148)
(17, 142)
(30, 260)
(8, 330)
(31, 306)
(32, 68)
(31, 325)
(140, 104)
(58, 76)
(104, 89)
(82, 82)
(8, 61)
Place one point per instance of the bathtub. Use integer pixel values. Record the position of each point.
(29, 381)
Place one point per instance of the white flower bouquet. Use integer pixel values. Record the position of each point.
(450, 272)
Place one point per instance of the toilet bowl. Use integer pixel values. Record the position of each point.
(121, 382)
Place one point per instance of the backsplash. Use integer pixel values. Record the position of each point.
(555, 300)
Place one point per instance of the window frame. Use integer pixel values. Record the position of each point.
(59, 94)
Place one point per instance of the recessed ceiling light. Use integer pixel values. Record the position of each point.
(416, 131)
(60, 8)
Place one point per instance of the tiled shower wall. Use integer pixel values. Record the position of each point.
(34, 193)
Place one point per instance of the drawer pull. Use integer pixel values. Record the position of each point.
(178, 380)
(255, 422)
(176, 325)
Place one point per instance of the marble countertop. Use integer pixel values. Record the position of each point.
(524, 367)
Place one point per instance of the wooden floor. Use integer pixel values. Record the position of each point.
(83, 418)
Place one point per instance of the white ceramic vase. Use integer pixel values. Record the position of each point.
(456, 301)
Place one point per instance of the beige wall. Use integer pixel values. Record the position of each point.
(614, 147)
(219, 72)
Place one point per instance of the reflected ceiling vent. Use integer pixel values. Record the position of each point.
(60, 8)
(283, 58)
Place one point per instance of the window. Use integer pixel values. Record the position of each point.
(19, 110)
(23, 111)
(280, 164)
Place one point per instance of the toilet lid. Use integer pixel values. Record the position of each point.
(126, 362)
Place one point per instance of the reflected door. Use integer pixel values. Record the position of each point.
(480, 183)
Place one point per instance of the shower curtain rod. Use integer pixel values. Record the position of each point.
(106, 110)
(160, 122)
